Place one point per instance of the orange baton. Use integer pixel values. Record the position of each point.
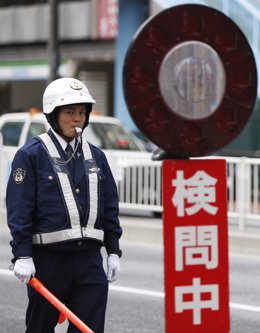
(38, 286)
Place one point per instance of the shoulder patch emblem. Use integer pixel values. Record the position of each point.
(19, 175)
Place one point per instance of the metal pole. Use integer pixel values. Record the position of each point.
(53, 44)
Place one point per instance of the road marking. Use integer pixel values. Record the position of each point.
(245, 307)
(6, 272)
(152, 293)
(137, 291)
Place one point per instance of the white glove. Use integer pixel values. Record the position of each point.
(24, 269)
(113, 267)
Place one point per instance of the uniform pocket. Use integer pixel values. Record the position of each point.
(48, 184)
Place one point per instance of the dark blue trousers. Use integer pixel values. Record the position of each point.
(78, 280)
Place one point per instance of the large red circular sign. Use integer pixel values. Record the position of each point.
(190, 80)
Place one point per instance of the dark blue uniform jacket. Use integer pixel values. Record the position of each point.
(35, 204)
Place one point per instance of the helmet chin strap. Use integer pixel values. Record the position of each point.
(58, 130)
(52, 120)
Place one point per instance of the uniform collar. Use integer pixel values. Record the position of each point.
(63, 142)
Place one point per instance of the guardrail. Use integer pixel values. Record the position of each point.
(244, 191)
(139, 181)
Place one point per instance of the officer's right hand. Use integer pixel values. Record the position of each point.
(24, 269)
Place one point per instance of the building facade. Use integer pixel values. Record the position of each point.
(86, 33)
(92, 40)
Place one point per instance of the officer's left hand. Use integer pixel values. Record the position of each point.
(113, 267)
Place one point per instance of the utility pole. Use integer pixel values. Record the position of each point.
(53, 43)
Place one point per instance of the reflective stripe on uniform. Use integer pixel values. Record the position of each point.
(76, 230)
(65, 183)
(93, 188)
(63, 235)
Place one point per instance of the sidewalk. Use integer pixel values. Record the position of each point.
(150, 230)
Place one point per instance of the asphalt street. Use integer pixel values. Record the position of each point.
(136, 302)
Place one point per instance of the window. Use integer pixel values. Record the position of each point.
(11, 132)
(35, 129)
(110, 136)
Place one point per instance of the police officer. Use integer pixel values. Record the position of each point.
(62, 208)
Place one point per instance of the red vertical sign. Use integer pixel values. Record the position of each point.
(196, 246)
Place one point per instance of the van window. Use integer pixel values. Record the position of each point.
(34, 130)
(11, 132)
(110, 136)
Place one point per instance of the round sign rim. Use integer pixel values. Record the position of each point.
(174, 134)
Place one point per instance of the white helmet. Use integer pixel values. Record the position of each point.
(65, 91)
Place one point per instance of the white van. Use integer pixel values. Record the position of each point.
(122, 148)
(103, 132)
